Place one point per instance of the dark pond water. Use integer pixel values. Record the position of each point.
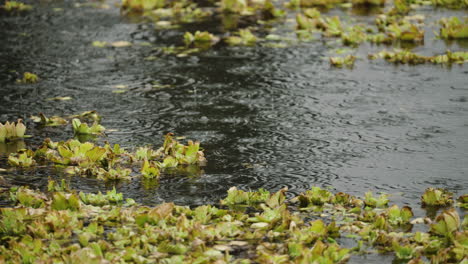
(267, 117)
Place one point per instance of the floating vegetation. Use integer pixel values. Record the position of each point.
(16, 6)
(116, 44)
(393, 26)
(23, 159)
(60, 98)
(120, 44)
(369, 2)
(343, 61)
(99, 44)
(455, 4)
(61, 225)
(49, 121)
(436, 197)
(28, 78)
(201, 40)
(42, 119)
(408, 57)
(114, 163)
(11, 131)
(405, 31)
(244, 38)
(83, 128)
(454, 28)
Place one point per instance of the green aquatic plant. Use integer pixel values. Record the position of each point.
(455, 4)
(333, 27)
(436, 197)
(62, 226)
(269, 11)
(446, 223)
(354, 37)
(113, 162)
(59, 121)
(376, 202)
(65, 201)
(143, 5)
(16, 6)
(74, 152)
(83, 128)
(99, 44)
(150, 170)
(405, 31)
(99, 199)
(316, 196)
(117, 173)
(11, 131)
(369, 2)
(401, 7)
(92, 115)
(404, 252)
(463, 201)
(343, 61)
(28, 78)
(12, 222)
(400, 56)
(234, 6)
(312, 3)
(49, 121)
(397, 216)
(454, 28)
(202, 40)
(28, 198)
(53, 186)
(23, 159)
(449, 58)
(236, 197)
(244, 38)
(184, 154)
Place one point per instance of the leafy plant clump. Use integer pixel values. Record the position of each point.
(408, 57)
(91, 116)
(28, 78)
(11, 131)
(343, 61)
(84, 129)
(16, 6)
(202, 40)
(112, 162)
(454, 28)
(436, 197)
(60, 225)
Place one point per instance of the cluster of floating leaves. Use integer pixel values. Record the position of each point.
(391, 27)
(92, 116)
(12, 6)
(104, 162)
(408, 57)
(28, 78)
(63, 226)
(112, 162)
(244, 21)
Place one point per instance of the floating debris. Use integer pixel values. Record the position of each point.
(28, 78)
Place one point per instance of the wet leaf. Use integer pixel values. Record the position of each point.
(120, 44)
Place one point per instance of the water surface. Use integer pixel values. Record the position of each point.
(266, 117)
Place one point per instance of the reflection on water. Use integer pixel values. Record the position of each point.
(11, 147)
(266, 117)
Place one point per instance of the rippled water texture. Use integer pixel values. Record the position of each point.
(267, 117)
